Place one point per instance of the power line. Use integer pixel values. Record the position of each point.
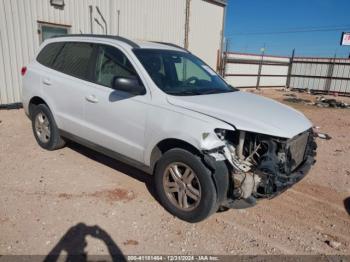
(292, 31)
(317, 27)
(309, 27)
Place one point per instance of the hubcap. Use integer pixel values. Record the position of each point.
(42, 127)
(182, 186)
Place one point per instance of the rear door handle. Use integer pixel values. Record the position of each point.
(91, 99)
(47, 81)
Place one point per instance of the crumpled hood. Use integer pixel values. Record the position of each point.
(248, 112)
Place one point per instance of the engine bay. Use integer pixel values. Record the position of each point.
(263, 166)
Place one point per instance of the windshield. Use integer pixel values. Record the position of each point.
(180, 73)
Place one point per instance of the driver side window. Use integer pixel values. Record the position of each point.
(111, 63)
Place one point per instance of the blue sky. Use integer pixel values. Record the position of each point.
(252, 23)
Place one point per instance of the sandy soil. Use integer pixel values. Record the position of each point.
(46, 196)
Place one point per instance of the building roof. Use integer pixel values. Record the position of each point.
(218, 2)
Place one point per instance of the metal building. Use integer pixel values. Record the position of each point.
(24, 24)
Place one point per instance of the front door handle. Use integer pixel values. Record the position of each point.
(91, 99)
(47, 81)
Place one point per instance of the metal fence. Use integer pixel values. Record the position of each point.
(251, 70)
(321, 74)
(314, 73)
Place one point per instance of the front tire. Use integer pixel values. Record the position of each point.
(185, 186)
(45, 129)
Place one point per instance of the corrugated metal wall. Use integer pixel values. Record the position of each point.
(324, 74)
(314, 73)
(159, 20)
(242, 70)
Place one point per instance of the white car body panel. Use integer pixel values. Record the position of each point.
(117, 120)
(67, 109)
(166, 121)
(248, 112)
(134, 125)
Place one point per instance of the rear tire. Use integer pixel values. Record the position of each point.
(191, 195)
(45, 129)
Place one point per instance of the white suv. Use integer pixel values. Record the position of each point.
(161, 109)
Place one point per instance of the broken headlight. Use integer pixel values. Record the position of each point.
(221, 133)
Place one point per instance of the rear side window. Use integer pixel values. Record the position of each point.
(49, 53)
(74, 59)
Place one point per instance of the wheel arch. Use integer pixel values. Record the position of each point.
(167, 144)
(35, 101)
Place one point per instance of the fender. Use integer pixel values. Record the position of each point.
(182, 124)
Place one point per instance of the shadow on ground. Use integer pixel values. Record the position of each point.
(347, 204)
(72, 245)
(117, 165)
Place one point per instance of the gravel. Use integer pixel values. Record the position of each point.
(44, 196)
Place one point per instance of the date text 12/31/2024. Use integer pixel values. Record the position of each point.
(172, 258)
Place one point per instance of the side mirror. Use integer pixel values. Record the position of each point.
(128, 84)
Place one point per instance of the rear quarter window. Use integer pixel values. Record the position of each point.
(48, 54)
(74, 59)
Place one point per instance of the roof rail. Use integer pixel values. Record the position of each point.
(119, 38)
(171, 44)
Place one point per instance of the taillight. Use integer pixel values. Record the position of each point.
(23, 70)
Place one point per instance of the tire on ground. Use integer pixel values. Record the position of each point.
(55, 141)
(208, 202)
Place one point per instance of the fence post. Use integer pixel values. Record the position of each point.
(223, 67)
(224, 59)
(260, 67)
(329, 79)
(290, 66)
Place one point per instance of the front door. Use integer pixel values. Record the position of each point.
(115, 119)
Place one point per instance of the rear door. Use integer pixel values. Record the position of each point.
(65, 82)
(116, 120)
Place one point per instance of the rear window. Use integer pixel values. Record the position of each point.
(74, 59)
(49, 53)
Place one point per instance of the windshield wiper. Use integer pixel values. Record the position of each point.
(184, 93)
(216, 91)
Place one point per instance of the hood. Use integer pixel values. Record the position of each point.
(248, 112)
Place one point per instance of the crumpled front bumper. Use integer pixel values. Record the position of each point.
(295, 176)
(274, 184)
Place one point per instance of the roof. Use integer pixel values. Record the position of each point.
(131, 43)
(218, 2)
(159, 45)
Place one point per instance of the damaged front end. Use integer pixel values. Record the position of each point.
(260, 166)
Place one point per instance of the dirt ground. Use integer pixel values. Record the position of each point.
(75, 199)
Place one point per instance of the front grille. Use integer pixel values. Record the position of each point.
(296, 147)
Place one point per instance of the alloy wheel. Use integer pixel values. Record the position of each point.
(42, 127)
(182, 186)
